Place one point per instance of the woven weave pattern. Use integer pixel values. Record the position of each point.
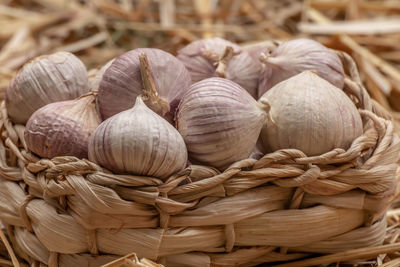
(66, 211)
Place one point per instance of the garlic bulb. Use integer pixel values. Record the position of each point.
(44, 80)
(219, 121)
(216, 57)
(310, 114)
(138, 141)
(122, 82)
(95, 81)
(63, 128)
(295, 56)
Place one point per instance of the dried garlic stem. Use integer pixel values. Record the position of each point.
(88, 99)
(223, 61)
(150, 94)
(267, 59)
(93, 93)
(265, 106)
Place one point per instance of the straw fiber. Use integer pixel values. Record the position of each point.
(285, 206)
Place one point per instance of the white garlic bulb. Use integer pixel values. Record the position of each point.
(138, 141)
(219, 121)
(310, 114)
(44, 80)
(298, 55)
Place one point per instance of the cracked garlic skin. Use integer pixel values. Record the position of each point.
(210, 57)
(122, 81)
(219, 121)
(310, 114)
(138, 141)
(44, 80)
(295, 56)
(62, 128)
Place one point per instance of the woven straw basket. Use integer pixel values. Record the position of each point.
(284, 206)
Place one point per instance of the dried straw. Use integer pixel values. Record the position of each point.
(99, 30)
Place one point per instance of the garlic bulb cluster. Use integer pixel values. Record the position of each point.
(295, 56)
(149, 113)
(62, 128)
(219, 121)
(310, 114)
(122, 82)
(44, 80)
(138, 141)
(216, 57)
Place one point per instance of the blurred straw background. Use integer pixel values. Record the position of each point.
(98, 30)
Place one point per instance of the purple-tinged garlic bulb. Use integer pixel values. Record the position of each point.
(310, 114)
(63, 128)
(216, 57)
(44, 80)
(138, 141)
(219, 121)
(122, 82)
(295, 56)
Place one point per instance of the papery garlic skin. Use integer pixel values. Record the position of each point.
(219, 121)
(62, 128)
(44, 80)
(122, 82)
(138, 141)
(310, 114)
(295, 56)
(201, 60)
